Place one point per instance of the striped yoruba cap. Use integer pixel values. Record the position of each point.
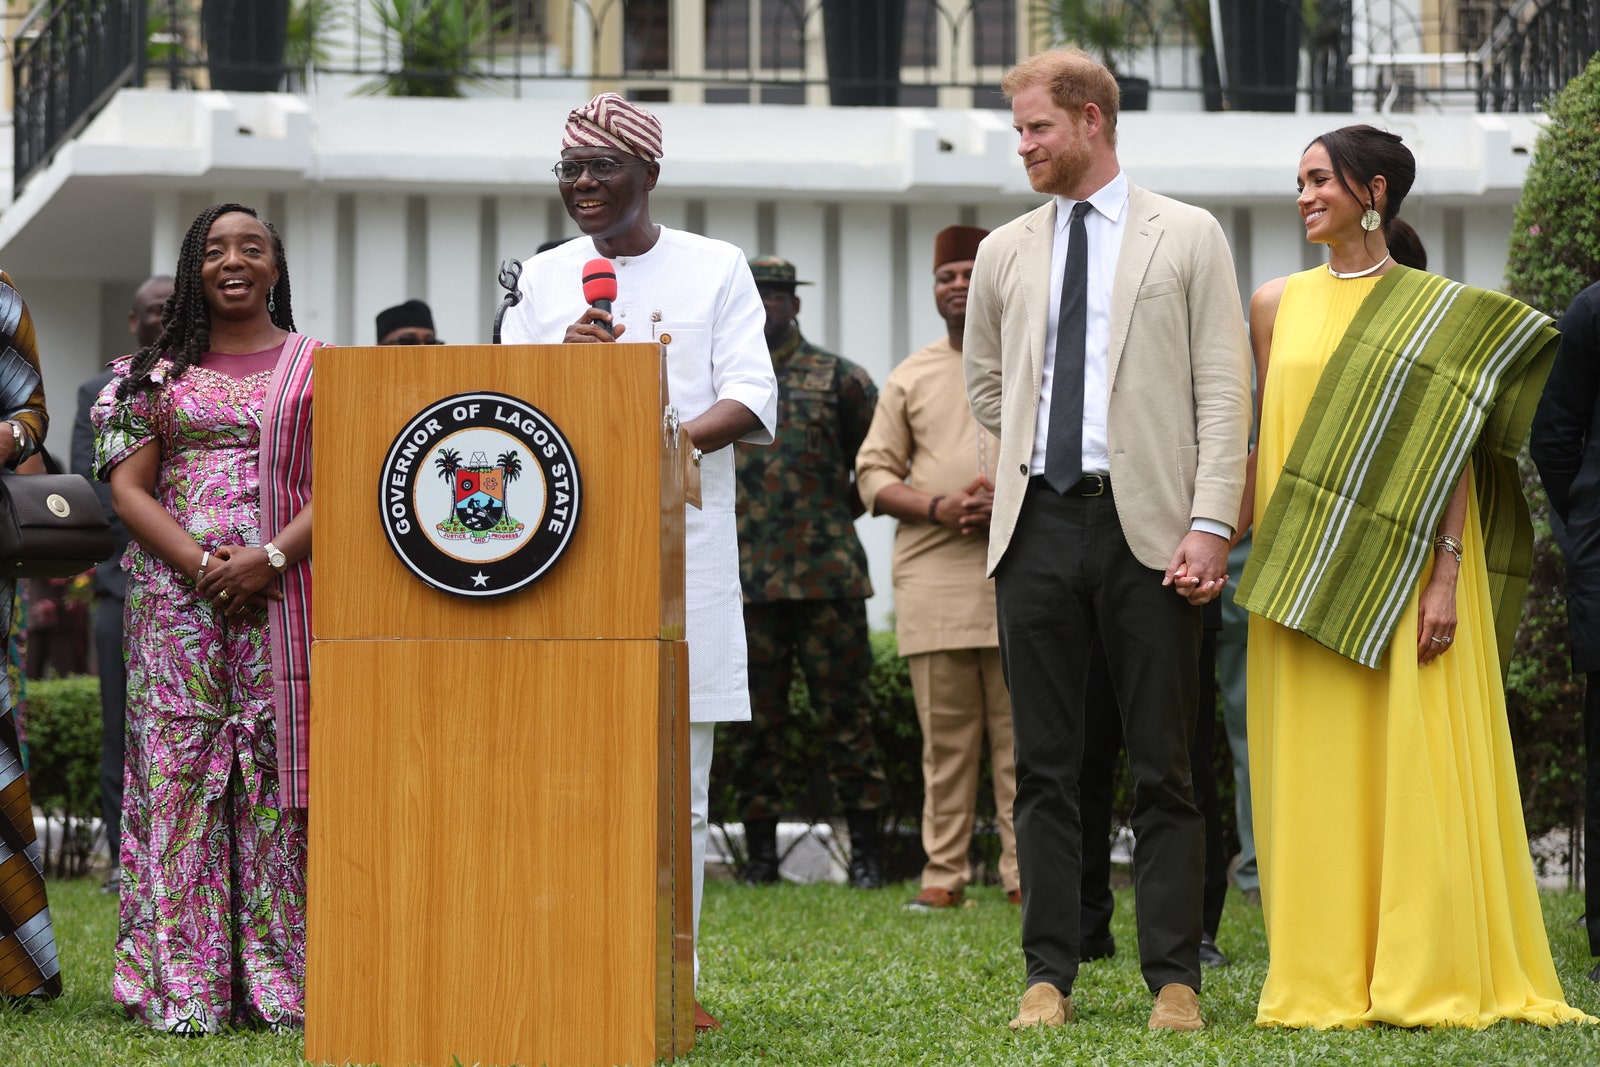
(609, 121)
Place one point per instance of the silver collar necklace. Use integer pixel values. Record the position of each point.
(1359, 273)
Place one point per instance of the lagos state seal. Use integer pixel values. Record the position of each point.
(480, 494)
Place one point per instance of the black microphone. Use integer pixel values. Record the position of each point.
(600, 288)
(510, 275)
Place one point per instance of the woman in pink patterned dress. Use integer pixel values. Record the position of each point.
(206, 435)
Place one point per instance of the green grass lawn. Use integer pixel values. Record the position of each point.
(826, 975)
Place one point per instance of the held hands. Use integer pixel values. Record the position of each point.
(239, 578)
(586, 330)
(967, 512)
(1199, 568)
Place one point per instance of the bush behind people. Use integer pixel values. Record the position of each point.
(1554, 251)
(63, 725)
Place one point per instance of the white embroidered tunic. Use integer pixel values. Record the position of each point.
(700, 292)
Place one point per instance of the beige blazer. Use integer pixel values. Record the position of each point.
(1178, 370)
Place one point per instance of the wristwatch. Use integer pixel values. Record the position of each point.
(276, 557)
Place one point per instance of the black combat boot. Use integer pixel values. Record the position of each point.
(761, 843)
(866, 863)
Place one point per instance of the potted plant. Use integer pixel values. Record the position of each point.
(1261, 47)
(310, 23)
(438, 42)
(1197, 13)
(1107, 29)
(862, 40)
(244, 43)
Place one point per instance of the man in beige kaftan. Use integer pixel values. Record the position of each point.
(928, 463)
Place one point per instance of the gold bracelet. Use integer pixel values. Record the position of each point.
(1449, 544)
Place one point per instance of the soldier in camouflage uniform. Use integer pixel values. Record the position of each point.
(805, 583)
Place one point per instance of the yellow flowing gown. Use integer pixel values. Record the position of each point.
(1395, 876)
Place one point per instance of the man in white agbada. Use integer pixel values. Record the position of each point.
(698, 292)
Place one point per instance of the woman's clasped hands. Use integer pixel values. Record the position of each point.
(239, 578)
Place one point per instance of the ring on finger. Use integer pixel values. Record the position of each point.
(224, 596)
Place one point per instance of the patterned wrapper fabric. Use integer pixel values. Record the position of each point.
(28, 964)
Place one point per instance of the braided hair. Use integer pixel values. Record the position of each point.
(186, 319)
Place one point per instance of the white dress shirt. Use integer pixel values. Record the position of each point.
(1105, 224)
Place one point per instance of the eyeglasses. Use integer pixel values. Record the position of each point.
(601, 170)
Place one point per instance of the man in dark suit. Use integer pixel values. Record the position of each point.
(1106, 348)
(1566, 448)
(110, 584)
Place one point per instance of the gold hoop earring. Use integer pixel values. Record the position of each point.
(1371, 220)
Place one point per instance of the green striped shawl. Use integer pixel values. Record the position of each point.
(1430, 374)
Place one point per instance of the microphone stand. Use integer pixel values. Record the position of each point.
(510, 276)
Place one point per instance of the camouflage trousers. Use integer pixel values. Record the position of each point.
(829, 641)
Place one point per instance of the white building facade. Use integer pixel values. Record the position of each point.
(382, 199)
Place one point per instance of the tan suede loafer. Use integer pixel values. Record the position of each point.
(1177, 1008)
(1043, 1005)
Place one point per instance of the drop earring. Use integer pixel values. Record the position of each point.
(1371, 220)
(272, 303)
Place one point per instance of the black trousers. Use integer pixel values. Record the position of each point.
(1068, 575)
(1591, 810)
(113, 716)
(1102, 747)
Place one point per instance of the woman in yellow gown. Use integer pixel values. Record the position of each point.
(1396, 881)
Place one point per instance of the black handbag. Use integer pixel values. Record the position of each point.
(51, 526)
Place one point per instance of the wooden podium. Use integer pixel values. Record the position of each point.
(499, 857)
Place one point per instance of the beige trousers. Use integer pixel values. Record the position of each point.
(958, 694)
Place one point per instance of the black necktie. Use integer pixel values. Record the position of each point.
(1063, 450)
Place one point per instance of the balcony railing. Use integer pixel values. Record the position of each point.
(67, 60)
(1326, 55)
(1534, 50)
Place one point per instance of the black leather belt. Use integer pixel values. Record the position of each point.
(1091, 485)
(1088, 485)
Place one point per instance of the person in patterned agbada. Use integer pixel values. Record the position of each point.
(805, 583)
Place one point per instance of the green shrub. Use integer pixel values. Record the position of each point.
(63, 722)
(1555, 235)
(1554, 252)
(808, 796)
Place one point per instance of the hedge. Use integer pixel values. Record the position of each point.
(63, 727)
(1553, 253)
(808, 796)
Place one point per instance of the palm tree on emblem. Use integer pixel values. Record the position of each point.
(512, 465)
(449, 461)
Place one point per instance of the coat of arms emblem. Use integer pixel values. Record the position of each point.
(479, 526)
(479, 494)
